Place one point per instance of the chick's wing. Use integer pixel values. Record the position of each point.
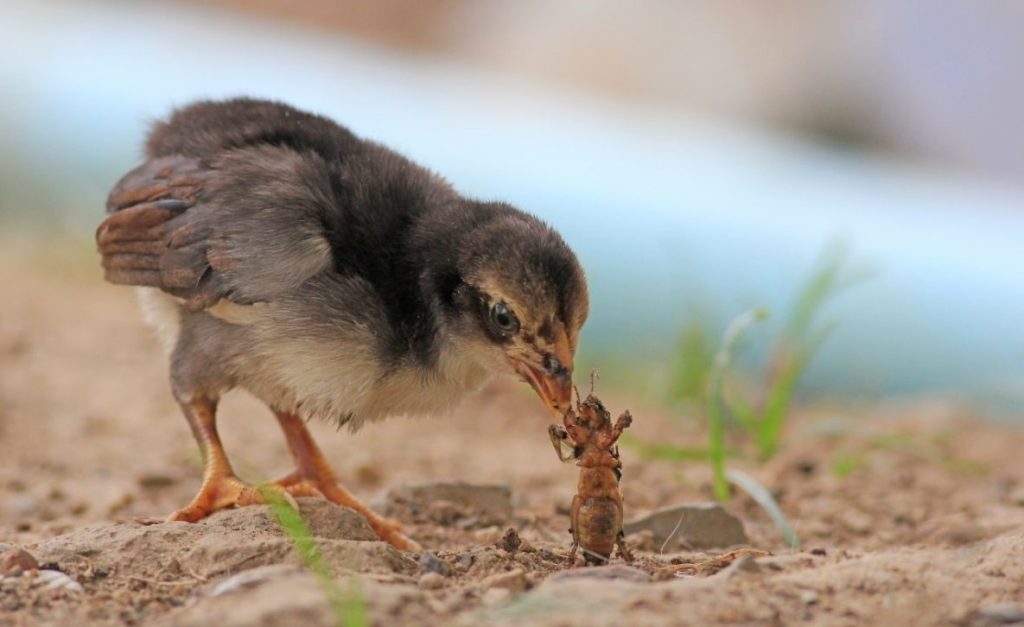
(245, 224)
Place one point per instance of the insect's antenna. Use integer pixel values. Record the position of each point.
(594, 376)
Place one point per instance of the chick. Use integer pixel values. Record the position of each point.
(277, 252)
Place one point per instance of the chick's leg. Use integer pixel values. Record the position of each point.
(221, 488)
(313, 477)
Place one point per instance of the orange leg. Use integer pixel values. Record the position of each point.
(313, 477)
(221, 488)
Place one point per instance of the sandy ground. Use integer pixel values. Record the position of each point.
(909, 513)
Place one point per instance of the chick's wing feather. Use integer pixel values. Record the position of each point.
(207, 128)
(245, 224)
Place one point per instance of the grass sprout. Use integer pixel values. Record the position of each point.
(348, 606)
(693, 361)
(701, 375)
(847, 462)
(802, 338)
(764, 498)
(664, 452)
(715, 401)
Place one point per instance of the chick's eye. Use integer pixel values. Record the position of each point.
(503, 319)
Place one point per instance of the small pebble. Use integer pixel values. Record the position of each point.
(17, 561)
(695, 526)
(510, 541)
(513, 580)
(742, 566)
(458, 503)
(1001, 614)
(430, 563)
(249, 578)
(806, 467)
(22, 506)
(56, 580)
(1017, 497)
(431, 581)
(487, 535)
(156, 481)
(809, 597)
(613, 571)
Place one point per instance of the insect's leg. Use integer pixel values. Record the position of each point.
(625, 419)
(560, 440)
(621, 424)
(574, 511)
(608, 438)
(624, 551)
(578, 432)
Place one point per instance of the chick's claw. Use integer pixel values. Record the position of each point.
(390, 531)
(227, 491)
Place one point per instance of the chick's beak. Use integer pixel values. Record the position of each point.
(552, 384)
(555, 390)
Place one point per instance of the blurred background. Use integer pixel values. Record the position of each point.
(856, 168)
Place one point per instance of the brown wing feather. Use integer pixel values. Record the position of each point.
(246, 225)
(174, 176)
(148, 239)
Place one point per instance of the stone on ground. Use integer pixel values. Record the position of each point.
(699, 526)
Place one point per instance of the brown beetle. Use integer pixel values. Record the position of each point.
(596, 515)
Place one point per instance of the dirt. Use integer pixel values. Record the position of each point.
(909, 512)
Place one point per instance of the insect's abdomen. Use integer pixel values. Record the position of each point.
(596, 524)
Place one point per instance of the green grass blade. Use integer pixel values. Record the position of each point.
(914, 447)
(716, 422)
(801, 342)
(743, 413)
(845, 464)
(764, 498)
(348, 606)
(769, 427)
(663, 452)
(693, 362)
(825, 281)
(782, 389)
(353, 604)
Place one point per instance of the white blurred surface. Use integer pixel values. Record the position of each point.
(670, 213)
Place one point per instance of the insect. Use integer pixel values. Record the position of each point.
(588, 436)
